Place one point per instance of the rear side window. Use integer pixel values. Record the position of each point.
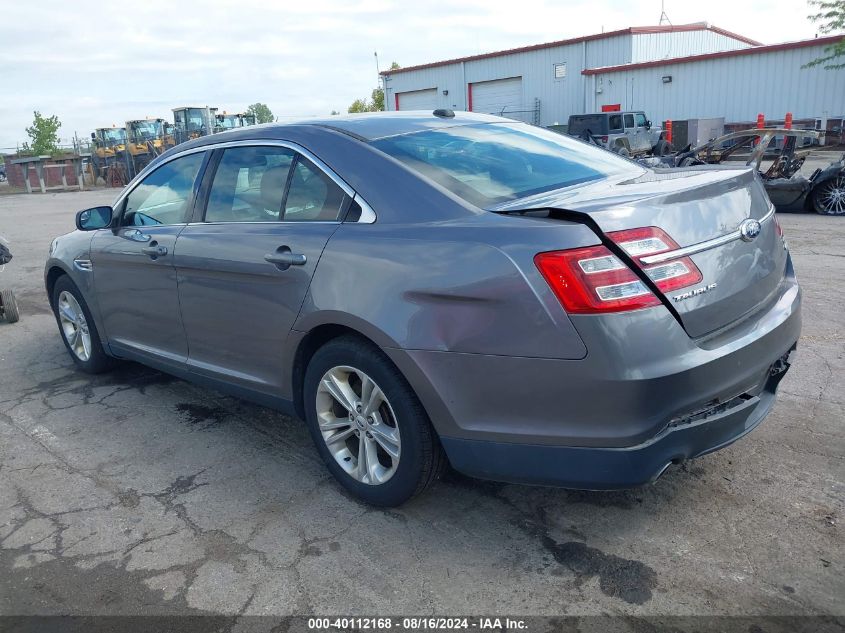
(487, 164)
(629, 120)
(313, 196)
(594, 123)
(249, 185)
(615, 122)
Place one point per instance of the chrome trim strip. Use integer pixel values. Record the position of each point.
(701, 246)
(368, 216)
(85, 265)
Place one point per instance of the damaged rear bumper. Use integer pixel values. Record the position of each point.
(685, 437)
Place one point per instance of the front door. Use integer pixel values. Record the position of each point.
(133, 264)
(643, 139)
(245, 268)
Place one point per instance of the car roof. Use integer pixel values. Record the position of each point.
(368, 126)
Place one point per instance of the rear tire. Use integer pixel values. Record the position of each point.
(623, 151)
(10, 306)
(402, 454)
(78, 330)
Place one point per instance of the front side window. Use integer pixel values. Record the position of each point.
(165, 195)
(639, 118)
(249, 185)
(492, 163)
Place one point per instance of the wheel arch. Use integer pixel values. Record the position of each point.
(322, 333)
(51, 277)
(312, 340)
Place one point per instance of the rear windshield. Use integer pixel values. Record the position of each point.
(594, 123)
(487, 164)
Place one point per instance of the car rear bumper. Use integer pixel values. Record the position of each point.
(645, 395)
(613, 468)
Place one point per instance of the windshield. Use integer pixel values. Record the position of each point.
(194, 119)
(115, 135)
(487, 164)
(227, 121)
(144, 130)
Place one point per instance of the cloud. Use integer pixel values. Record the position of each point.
(95, 63)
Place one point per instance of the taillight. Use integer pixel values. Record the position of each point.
(649, 240)
(592, 279)
(603, 139)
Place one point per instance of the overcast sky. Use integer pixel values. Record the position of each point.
(98, 63)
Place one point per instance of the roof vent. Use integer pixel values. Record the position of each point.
(444, 113)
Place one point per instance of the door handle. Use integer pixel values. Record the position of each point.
(284, 259)
(154, 250)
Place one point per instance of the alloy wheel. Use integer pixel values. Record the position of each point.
(358, 425)
(830, 199)
(74, 326)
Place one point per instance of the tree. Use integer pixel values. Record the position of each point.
(376, 104)
(830, 14)
(261, 112)
(334, 113)
(359, 105)
(44, 133)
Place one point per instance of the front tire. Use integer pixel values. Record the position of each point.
(77, 327)
(368, 425)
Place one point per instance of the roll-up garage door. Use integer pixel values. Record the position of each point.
(417, 100)
(502, 97)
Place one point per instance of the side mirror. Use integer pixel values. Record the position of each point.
(647, 124)
(94, 218)
(93, 135)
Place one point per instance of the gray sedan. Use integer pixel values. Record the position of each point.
(426, 289)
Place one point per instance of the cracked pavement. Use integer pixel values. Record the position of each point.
(137, 493)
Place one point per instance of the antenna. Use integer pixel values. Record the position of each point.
(663, 15)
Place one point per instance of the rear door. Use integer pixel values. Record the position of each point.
(133, 266)
(245, 265)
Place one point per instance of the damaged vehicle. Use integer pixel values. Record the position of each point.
(423, 288)
(823, 191)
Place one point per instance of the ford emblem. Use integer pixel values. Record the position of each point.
(749, 230)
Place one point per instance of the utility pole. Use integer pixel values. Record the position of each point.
(663, 15)
(379, 82)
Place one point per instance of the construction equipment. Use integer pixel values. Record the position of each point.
(146, 139)
(109, 147)
(228, 121)
(193, 122)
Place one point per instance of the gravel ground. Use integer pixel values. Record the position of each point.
(135, 492)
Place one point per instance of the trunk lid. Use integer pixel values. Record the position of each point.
(693, 206)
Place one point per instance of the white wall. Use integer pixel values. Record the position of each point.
(737, 88)
(651, 46)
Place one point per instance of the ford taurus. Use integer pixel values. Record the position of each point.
(430, 288)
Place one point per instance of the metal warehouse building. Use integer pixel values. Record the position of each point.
(671, 72)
